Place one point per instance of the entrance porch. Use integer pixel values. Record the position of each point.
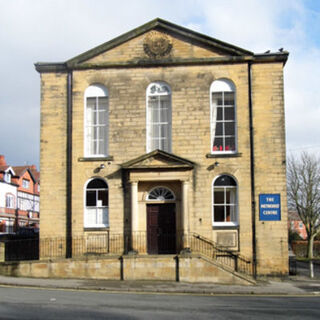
(159, 185)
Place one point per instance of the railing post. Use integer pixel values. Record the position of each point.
(236, 263)
(108, 241)
(185, 213)
(2, 251)
(121, 268)
(176, 258)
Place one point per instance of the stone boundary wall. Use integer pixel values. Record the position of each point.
(164, 268)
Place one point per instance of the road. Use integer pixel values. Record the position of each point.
(26, 303)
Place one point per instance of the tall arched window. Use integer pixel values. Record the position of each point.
(225, 209)
(96, 204)
(96, 120)
(223, 117)
(159, 117)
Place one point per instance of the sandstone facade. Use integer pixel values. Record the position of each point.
(189, 63)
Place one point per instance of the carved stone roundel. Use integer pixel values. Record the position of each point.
(157, 45)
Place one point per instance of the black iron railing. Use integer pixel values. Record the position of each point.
(140, 242)
(216, 253)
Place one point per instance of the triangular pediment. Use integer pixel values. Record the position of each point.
(158, 159)
(157, 40)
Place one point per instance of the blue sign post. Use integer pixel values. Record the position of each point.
(270, 208)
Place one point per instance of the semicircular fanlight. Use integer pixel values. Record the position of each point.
(160, 194)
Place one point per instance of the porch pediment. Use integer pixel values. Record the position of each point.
(158, 159)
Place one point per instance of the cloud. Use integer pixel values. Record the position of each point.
(57, 30)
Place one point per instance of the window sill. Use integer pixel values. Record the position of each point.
(223, 155)
(96, 228)
(84, 159)
(225, 227)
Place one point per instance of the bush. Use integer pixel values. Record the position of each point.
(300, 248)
(294, 236)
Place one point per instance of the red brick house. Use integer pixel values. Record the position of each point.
(19, 197)
(295, 224)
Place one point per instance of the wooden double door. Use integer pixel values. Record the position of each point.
(161, 228)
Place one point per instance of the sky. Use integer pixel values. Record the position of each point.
(57, 30)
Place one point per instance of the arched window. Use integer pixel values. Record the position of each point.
(223, 117)
(96, 204)
(225, 209)
(96, 120)
(158, 117)
(160, 194)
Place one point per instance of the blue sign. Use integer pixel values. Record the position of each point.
(270, 208)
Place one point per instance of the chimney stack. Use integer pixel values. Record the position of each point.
(2, 160)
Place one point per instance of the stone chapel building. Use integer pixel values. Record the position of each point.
(164, 135)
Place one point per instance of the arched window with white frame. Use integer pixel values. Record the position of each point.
(223, 117)
(159, 117)
(96, 121)
(96, 204)
(225, 203)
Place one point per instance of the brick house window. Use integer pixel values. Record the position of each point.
(96, 204)
(158, 117)
(223, 117)
(96, 121)
(7, 177)
(10, 201)
(25, 183)
(225, 208)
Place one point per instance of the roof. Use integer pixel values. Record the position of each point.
(293, 216)
(235, 53)
(20, 170)
(3, 168)
(36, 175)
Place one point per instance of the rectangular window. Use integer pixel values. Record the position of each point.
(96, 217)
(159, 117)
(223, 124)
(7, 177)
(9, 201)
(25, 183)
(97, 126)
(224, 205)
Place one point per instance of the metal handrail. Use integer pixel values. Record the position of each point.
(218, 254)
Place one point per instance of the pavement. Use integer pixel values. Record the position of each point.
(291, 286)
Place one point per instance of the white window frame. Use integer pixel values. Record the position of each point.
(161, 89)
(25, 183)
(105, 209)
(235, 204)
(161, 188)
(222, 86)
(10, 201)
(7, 177)
(96, 91)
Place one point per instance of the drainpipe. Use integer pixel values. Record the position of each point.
(253, 202)
(69, 168)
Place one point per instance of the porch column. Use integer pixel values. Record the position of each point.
(134, 206)
(185, 213)
(134, 213)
